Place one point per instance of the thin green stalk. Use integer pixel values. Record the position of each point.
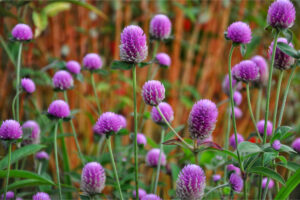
(135, 132)
(215, 188)
(56, 160)
(195, 151)
(14, 104)
(245, 188)
(8, 169)
(277, 100)
(266, 189)
(226, 145)
(100, 143)
(39, 168)
(18, 81)
(95, 93)
(114, 166)
(258, 104)
(159, 159)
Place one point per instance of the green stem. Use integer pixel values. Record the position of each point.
(266, 189)
(8, 169)
(196, 151)
(56, 160)
(226, 145)
(18, 81)
(277, 100)
(245, 188)
(258, 104)
(14, 104)
(159, 159)
(215, 188)
(95, 93)
(114, 166)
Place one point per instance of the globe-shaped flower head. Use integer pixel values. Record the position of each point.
(246, 71)
(123, 121)
(232, 142)
(152, 158)
(153, 92)
(238, 113)
(10, 130)
(239, 32)
(282, 61)
(166, 110)
(28, 85)
(281, 14)
(92, 61)
(151, 197)
(236, 182)
(296, 145)
(73, 67)
(107, 123)
(92, 178)
(264, 183)
(59, 109)
(142, 193)
(202, 119)
(216, 177)
(276, 145)
(236, 85)
(160, 27)
(22, 32)
(262, 65)
(42, 155)
(133, 48)
(190, 183)
(237, 98)
(234, 169)
(9, 195)
(163, 59)
(41, 196)
(261, 125)
(62, 80)
(141, 139)
(33, 128)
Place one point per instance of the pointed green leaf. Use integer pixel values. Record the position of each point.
(291, 184)
(287, 49)
(267, 172)
(117, 64)
(248, 147)
(25, 174)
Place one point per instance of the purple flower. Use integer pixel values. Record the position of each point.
(236, 182)
(92, 61)
(246, 71)
(133, 46)
(232, 168)
(190, 183)
(160, 27)
(163, 59)
(22, 32)
(142, 193)
(202, 119)
(34, 129)
(232, 143)
(42, 155)
(264, 183)
(108, 122)
(236, 85)
(260, 126)
(276, 145)
(282, 61)
(41, 196)
(153, 92)
(166, 110)
(296, 145)
(92, 178)
(239, 32)
(9, 195)
(151, 197)
(59, 109)
(216, 177)
(238, 113)
(10, 130)
(262, 64)
(281, 14)
(152, 158)
(28, 85)
(141, 139)
(62, 80)
(237, 98)
(123, 121)
(73, 67)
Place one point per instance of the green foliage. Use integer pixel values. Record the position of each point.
(267, 172)
(291, 184)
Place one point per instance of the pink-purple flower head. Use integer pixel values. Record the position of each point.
(246, 71)
(142, 193)
(73, 67)
(34, 131)
(296, 145)
(264, 183)
(133, 47)
(152, 158)
(151, 197)
(59, 109)
(10, 195)
(28, 85)
(190, 183)
(42, 155)
(202, 119)
(41, 196)
(108, 123)
(261, 125)
(22, 32)
(234, 169)
(163, 59)
(238, 113)
(166, 110)
(281, 14)
(153, 92)
(282, 61)
(216, 177)
(141, 139)
(123, 121)
(10, 130)
(239, 32)
(236, 85)
(62, 80)
(276, 145)
(261, 63)
(92, 61)
(160, 27)
(236, 182)
(237, 98)
(232, 143)
(92, 178)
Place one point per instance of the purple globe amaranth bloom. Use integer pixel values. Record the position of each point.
(10, 130)
(92, 178)
(153, 92)
(151, 197)
(264, 183)
(236, 182)
(163, 59)
(42, 155)
(166, 110)
(261, 125)
(236, 85)
(59, 109)
(202, 119)
(282, 61)
(142, 193)
(22, 32)
(216, 177)
(133, 47)
(41, 196)
(34, 129)
(232, 168)
(276, 145)
(28, 85)
(296, 145)
(9, 195)
(123, 121)
(246, 71)
(108, 122)
(152, 158)
(237, 98)
(239, 32)
(160, 27)
(261, 63)
(141, 139)
(73, 67)
(238, 113)
(92, 61)
(281, 14)
(62, 80)
(190, 183)
(232, 143)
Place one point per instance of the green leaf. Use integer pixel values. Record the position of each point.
(144, 64)
(243, 49)
(267, 172)
(290, 165)
(25, 174)
(21, 153)
(175, 171)
(53, 9)
(286, 148)
(291, 184)
(224, 151)
(84, 197)
(152, 143)
(117, 64)
(288, 35)
(171, 134)
(280, 133)
(283, 159)
(101, 72)
(40, 20)
(25, 183)
(248, 147)
(287, 49)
